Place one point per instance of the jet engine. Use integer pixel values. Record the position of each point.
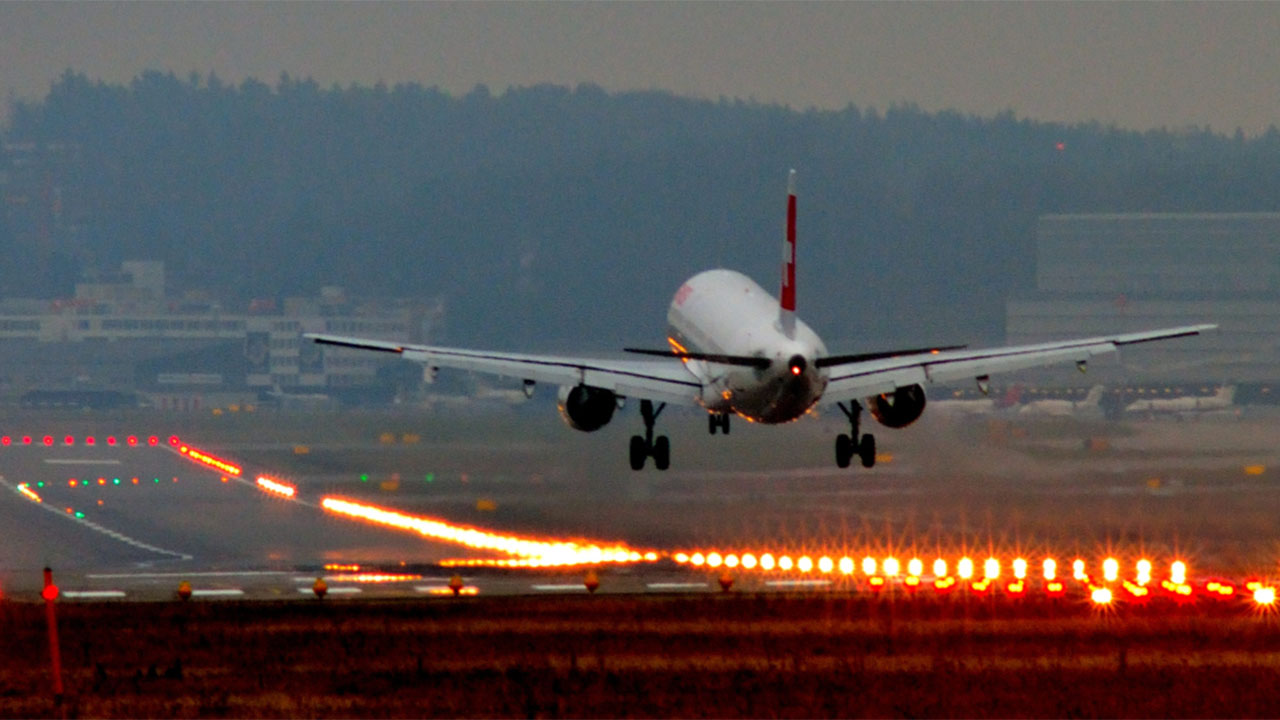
(586, 408)
(899, 408)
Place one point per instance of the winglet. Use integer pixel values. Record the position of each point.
(787, 296)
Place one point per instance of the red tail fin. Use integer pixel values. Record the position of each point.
(787, 297)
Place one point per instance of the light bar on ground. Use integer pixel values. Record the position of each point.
(274, 486)
(546, 552)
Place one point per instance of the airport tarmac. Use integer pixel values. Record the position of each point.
(1202, 491)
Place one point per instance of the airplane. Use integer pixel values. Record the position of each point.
(1222, 399)
(737, 350)
(957, 406)
(1090, 404)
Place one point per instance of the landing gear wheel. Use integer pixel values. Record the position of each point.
(662, 453)
(718, 421)
(844, 450)
(639, 452)
(867, 450)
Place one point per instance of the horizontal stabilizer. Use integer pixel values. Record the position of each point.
(866, 357)
(740, 360)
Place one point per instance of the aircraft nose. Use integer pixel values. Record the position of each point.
(797, 365)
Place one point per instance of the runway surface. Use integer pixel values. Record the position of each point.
(133, 520)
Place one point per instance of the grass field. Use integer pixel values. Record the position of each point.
(822, 655)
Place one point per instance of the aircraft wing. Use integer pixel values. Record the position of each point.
(864, 379)
(660, 379)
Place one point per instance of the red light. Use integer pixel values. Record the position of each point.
(48, 440)
(26, 439)
(795, 370)
(153, 440)
(4, 440)
(173, 440)
(89, 440)
(50, 592)
(132, 441)
(68, 440)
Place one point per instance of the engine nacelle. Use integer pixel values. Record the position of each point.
(587, 408)
(899, 408)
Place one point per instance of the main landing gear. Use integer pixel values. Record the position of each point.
(849, 445)
(718, 421)
(645, 447)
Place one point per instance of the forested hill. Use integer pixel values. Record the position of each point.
(568, 216)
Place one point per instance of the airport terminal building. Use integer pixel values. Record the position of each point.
(122, 336)
(1108, 273)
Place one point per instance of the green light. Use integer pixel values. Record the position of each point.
(364, 477)
(115, 481)
(79, 514)
(40, 484)
(84, 482)
(157, 480)
(430, 477)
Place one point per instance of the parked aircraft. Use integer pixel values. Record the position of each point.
(737, 350)
(1222, 399)
(1089, 405)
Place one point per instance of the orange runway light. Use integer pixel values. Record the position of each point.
(29, 493)
(210, 460)
(767, 562)
(868, 566)
(1110, 569)
(846, 565)
(1101, 596)
(939, 568)
(1265, 596)
(544, 553)
(915, 567)
(964, 568)
(1178, 572)
(276, 487)
(891, 567)
(1050, 569)
(1077, 571)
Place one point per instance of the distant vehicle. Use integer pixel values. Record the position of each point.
(737, 350)
(1090, 405)
(1223, 399)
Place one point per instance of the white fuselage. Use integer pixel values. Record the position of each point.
(725, 312)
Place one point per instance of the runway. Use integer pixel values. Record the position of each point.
(401, 518)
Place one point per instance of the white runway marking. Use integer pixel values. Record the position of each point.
(798, 583)
(558, 588)
(105, 531)
(334, 591)
(92, 594)
(229, 592)
(182, 575)
(676, 585)
(73, 461)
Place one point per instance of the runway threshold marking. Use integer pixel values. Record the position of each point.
(559, 588)
(92, 594)
(227, 592)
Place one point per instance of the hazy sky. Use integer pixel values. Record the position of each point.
(1138, 65)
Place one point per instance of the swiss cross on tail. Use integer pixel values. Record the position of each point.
(787, 297)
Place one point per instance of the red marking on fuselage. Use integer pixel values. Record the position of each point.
(683, 293)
